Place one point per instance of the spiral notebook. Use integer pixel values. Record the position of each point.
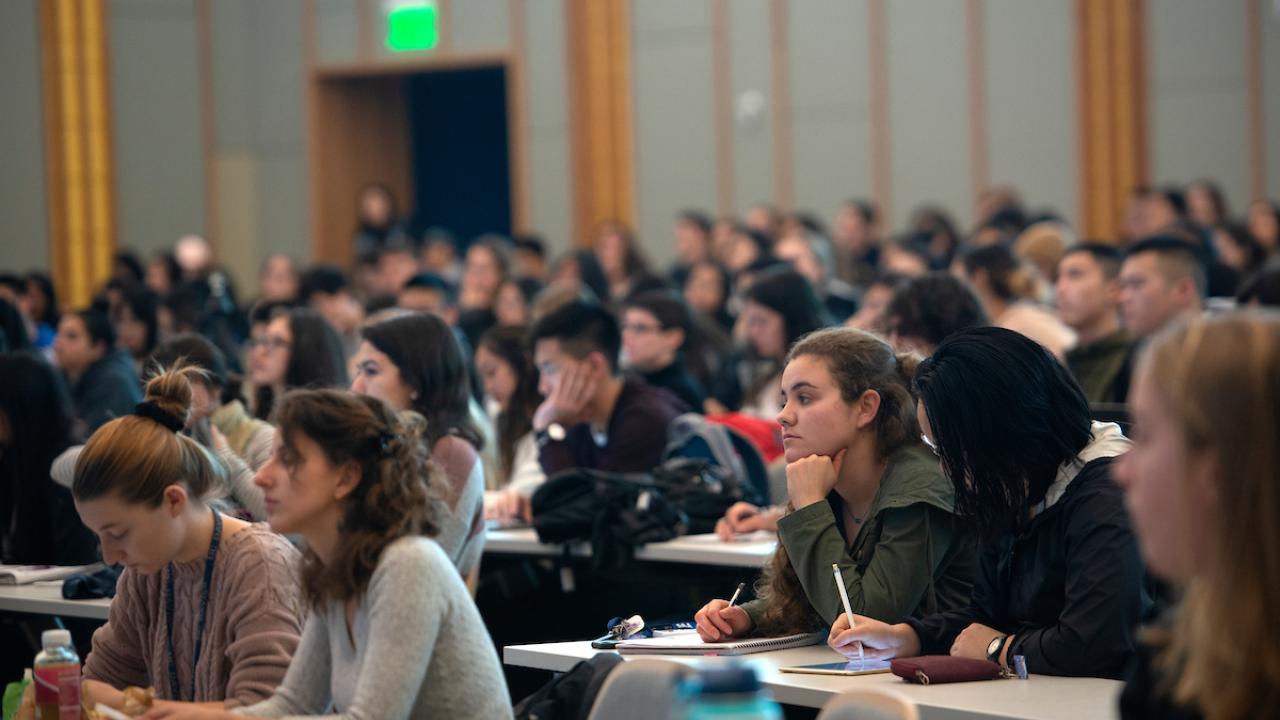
(691, 644)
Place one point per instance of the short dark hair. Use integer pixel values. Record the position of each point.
(432, 281)
(98, 326)
(581, 327)
(696, 218)
(865, 208)
(263, 312)
(530, 243)
(933, 307)
(1005, 414)
(1108, 257)
(665, 305)
(195, 350)
(1178, 253)
(327, 279)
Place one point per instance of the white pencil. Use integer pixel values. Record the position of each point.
(844, 598)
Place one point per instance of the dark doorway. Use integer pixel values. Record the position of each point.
(461, 161)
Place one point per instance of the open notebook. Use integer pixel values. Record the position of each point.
(691, 644)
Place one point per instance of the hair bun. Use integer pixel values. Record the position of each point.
(170, 391)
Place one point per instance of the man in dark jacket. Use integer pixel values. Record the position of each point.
(592, 417)
(103, 383)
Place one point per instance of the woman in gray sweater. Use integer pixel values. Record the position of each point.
(392, 632)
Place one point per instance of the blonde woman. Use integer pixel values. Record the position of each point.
(1202, 491)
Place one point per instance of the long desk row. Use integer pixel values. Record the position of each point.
(1041, 697)
(45, 599)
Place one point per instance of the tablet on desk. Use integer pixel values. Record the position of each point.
(852, 667)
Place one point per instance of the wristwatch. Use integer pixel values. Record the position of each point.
(554, 431)
(995, 646)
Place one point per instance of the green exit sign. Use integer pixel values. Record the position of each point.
(412, 26)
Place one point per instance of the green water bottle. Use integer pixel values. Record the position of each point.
(727, 692)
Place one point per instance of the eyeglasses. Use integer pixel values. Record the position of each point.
(268, 343)
(930, 444)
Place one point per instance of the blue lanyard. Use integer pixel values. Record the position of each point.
(174, 689)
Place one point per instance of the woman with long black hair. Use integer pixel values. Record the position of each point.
(1059, 578)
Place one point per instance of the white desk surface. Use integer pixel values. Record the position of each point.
(47, 600)
(1042, 697)
(751, 551)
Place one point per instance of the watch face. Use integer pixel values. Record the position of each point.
(555, 431)
(993, 646)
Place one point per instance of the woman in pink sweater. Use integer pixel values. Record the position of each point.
(207, 610)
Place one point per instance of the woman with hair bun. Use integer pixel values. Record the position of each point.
(391, 632)
(864, 494)
(207, 608)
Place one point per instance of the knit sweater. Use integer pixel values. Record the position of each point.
(417, 649)
(251, 629)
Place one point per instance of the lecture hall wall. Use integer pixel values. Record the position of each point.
(734, 101)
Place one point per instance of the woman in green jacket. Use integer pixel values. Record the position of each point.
(864, 494)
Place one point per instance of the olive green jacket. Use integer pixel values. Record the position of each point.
(1102, 367)
(909, 559)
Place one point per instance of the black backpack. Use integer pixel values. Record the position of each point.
(618, 512)
(569, 696)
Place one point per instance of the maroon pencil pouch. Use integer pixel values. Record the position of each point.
(937, 669)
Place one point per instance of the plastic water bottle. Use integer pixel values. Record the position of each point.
(57, 677)
(727, 692)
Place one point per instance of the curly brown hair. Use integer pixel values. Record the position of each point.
(858, 361)
(399, 490)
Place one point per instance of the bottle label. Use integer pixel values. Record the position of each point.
(57, 691)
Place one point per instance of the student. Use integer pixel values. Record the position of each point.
(620, 259)
(514, 301)
(218, 418)
(707, 292)
(137, 328)
(296, 348)
(811, 255)
(780, 307)
(656, 327)
(1263, 222)
(928, 309)
(378, 223)
(1009, 294)
(1206, 205)
(691, 238)
(856, 243)
(510, 383)
(487, 266)
(39, 525)
(592, 417)
(1059, 579)
(207, 608)
(1088, 299)
(865, 495)
(1162, 279)
(529, 257)
(414, 362)
(278, 279)
(102, 380)
(427, 292)
(875, 303)
(391, 631)
(1200, 486)
(325, 289)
